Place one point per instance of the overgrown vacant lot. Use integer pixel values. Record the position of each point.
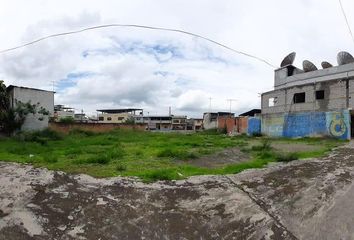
(153, 156)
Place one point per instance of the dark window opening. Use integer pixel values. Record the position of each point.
(109, 119)
(290, 70)
(120, 118)
(299, 97)
(100, 118)
(319, 94)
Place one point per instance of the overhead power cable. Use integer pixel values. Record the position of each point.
(137, 26)
(346, 20)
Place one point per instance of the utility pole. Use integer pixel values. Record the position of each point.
(210, 104)
(231, 100)
(53, 85)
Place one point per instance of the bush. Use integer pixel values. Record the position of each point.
(213, 131)
(265, 155)
(50, 158)
(257, 134)
(266, 145)
(79, 131)
(180, 154)
(67, 120)
(121, 167)
(116, 153)
(222, 130)
(41, 137)
(99, 159)
(287, 157)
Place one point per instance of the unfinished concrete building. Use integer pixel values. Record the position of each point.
(42, 98)
(310, 102)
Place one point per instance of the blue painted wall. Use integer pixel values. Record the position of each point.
(254, 125)
(304, 124)
(334, 124)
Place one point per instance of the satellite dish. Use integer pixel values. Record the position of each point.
(288, 60)
(308, 66)
(344, 58)
(325, 65)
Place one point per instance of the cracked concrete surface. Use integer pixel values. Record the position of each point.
(310, 199)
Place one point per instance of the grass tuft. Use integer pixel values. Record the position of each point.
(286, 157)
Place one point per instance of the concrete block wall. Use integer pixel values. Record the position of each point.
(351, 94)
(45, 100)
(336, 98)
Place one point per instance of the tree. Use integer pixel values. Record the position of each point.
(12, 118)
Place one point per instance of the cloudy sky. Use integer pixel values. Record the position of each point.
(127, 67)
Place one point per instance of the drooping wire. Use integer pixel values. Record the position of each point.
(137, 26)
(346, 20)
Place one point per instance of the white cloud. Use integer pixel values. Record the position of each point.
(121, 67)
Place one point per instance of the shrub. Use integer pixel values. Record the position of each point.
(67, 120)
(79, 131)
(99, 159)
(265, 155)
(257, 134)
(116, 153)
(222, 130)
(139, 153)
(41, 137)
(50, 158)
(266, 145)
(287, 157)
(213, 131)
(121, 167)
(180, 154)
(167, 153)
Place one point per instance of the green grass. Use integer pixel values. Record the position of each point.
(150, 156)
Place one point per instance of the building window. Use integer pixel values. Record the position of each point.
(100, 118)
(319, 94)
(109, 119)
(291, 70)
(299, 97)
(120, 118)
(272, 101)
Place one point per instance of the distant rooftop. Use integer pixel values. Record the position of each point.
(250, 113)
(219, 113)
(9, 88)
(121, 110)
(62, 107)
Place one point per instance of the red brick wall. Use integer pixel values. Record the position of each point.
(242, 124)
(233, 124)
(229, 122)
(93, 127)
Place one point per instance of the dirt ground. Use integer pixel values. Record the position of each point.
(295, 147)
(310, 199)
(219, 159)
(235, 155)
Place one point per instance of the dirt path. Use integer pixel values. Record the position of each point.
(302, 200)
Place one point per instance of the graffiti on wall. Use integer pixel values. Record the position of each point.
(338, 124)
(335, 124)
